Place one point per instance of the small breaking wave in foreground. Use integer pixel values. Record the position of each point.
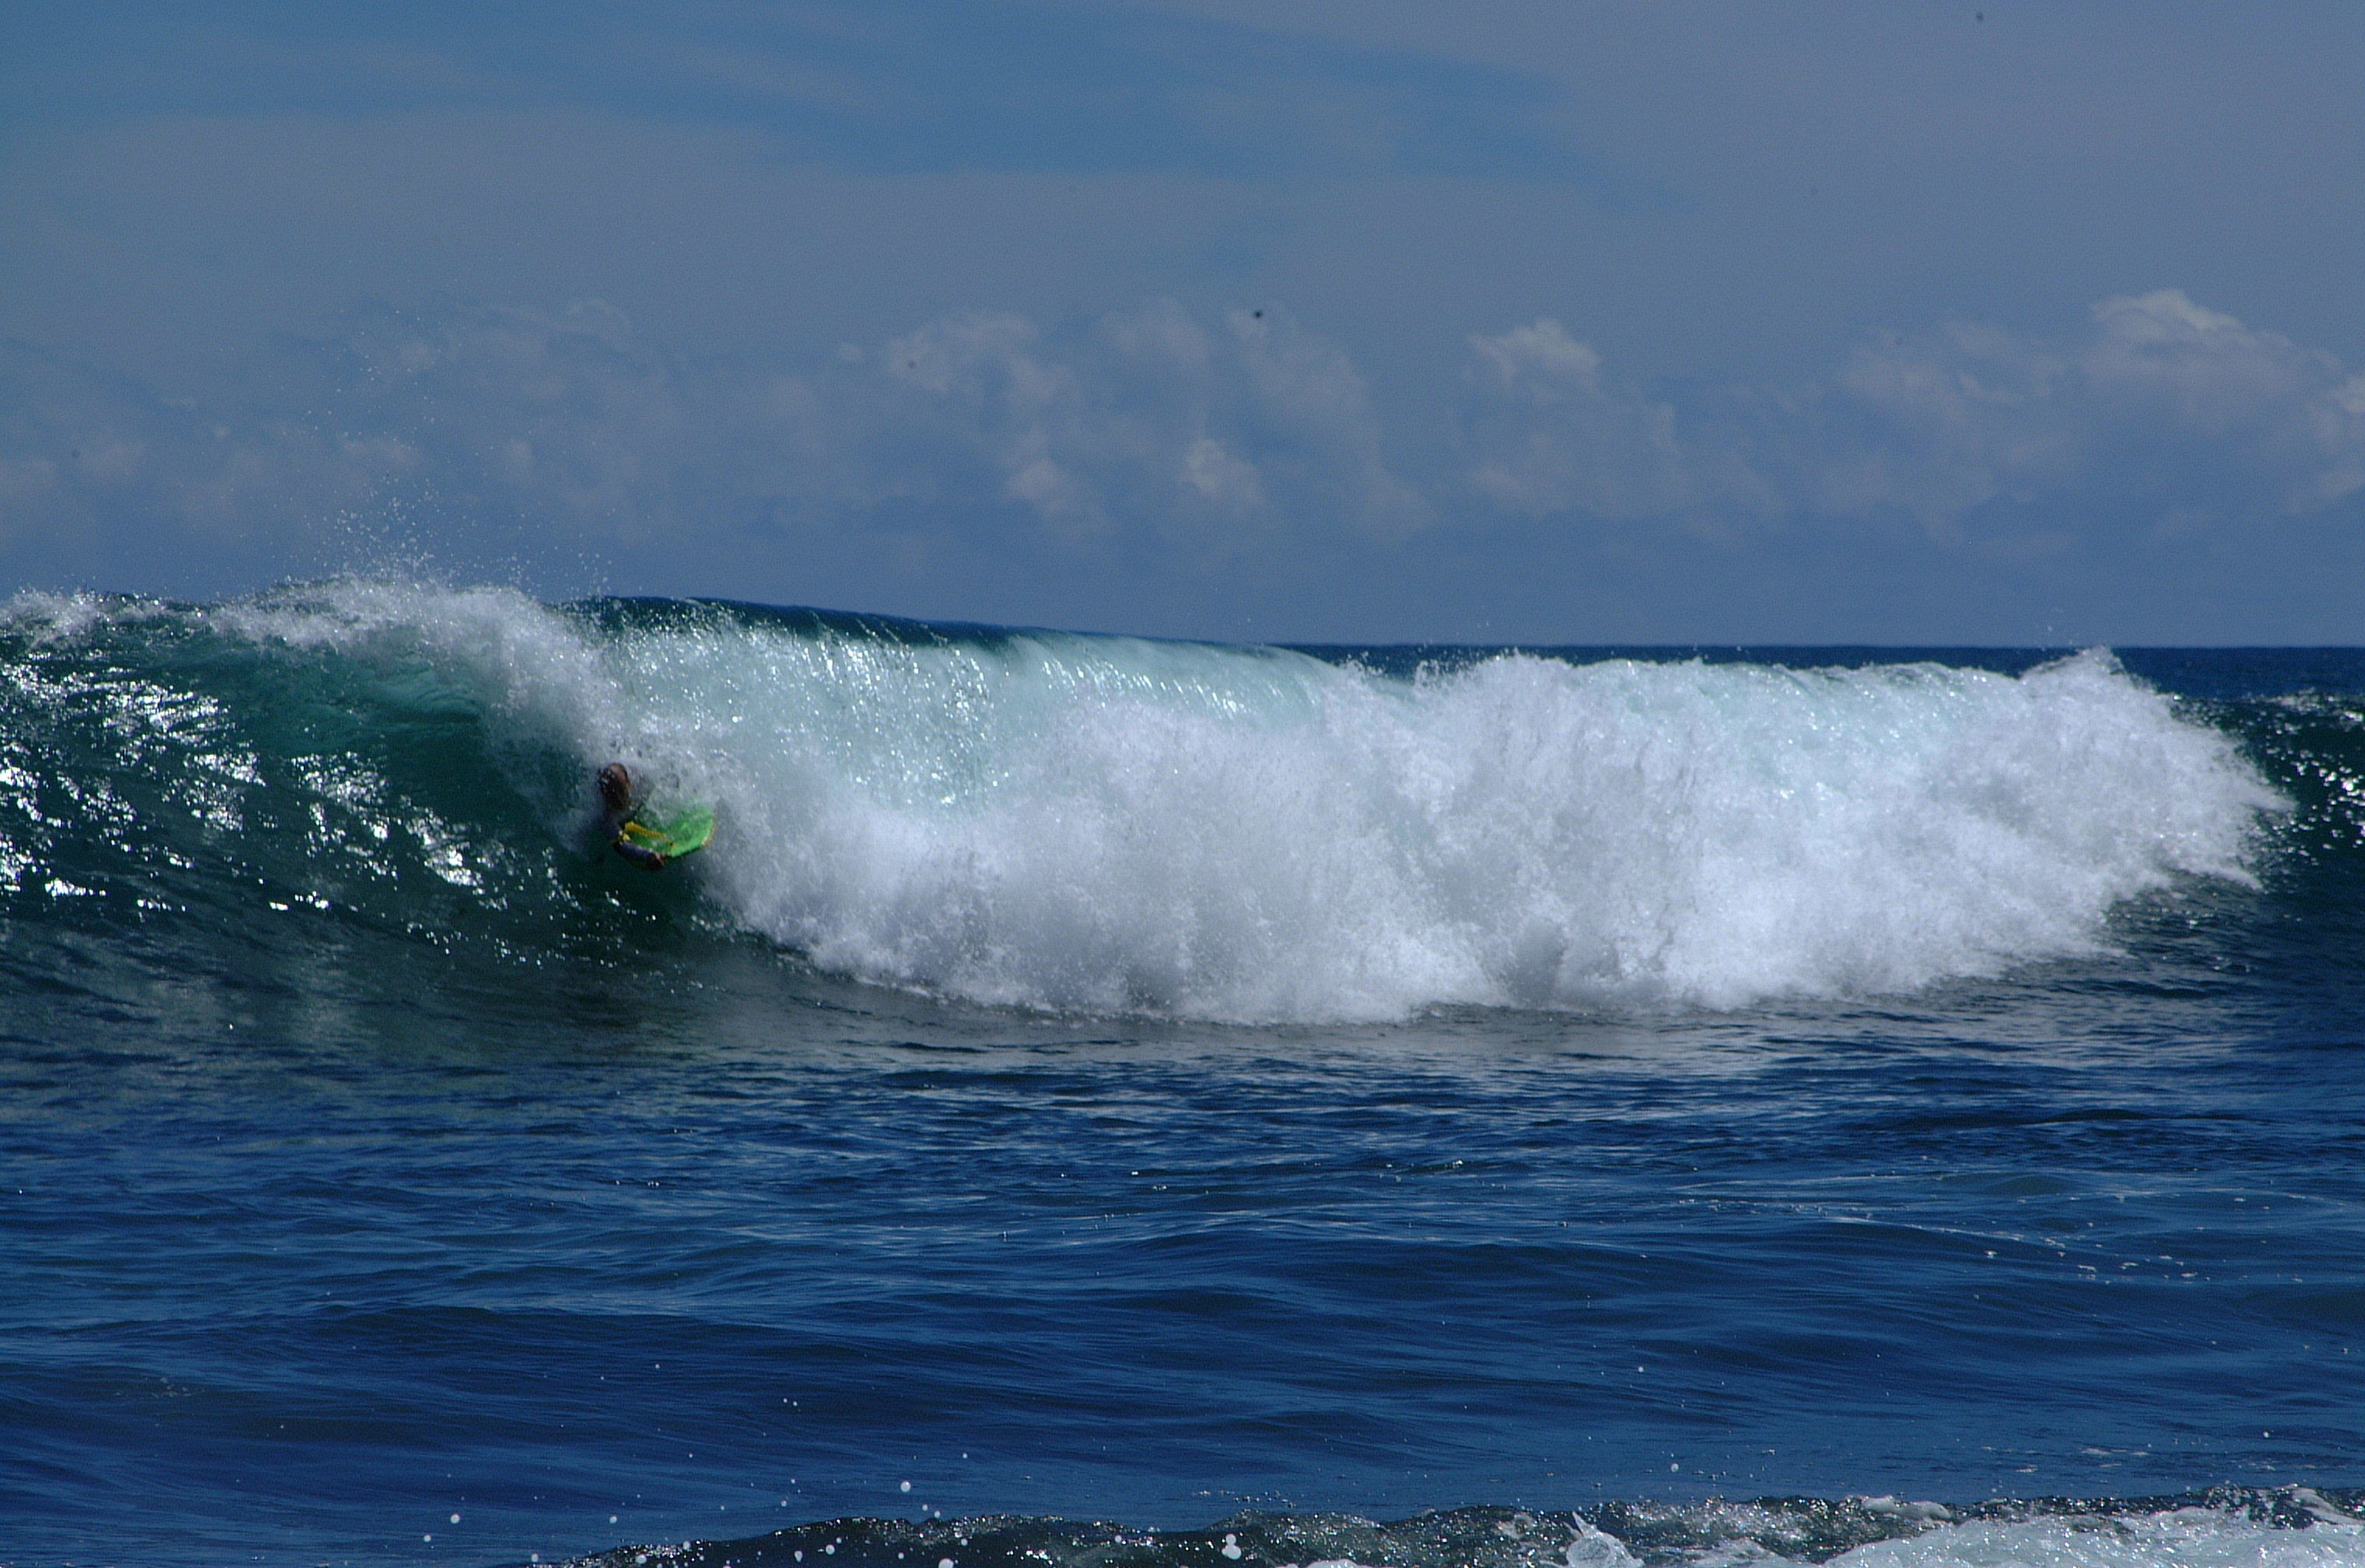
(2292, 1527)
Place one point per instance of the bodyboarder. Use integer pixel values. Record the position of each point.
(618, 819)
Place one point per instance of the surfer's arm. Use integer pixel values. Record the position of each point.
(640, 854)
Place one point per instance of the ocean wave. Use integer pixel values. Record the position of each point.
(2292, 1527)
(1108, 824)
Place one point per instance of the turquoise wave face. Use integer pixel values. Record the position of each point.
(1115, 826)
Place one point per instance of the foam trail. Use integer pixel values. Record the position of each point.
(1235, 833)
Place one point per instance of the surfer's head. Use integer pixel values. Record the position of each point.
(616, 787)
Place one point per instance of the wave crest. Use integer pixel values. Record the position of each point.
(1232, 833)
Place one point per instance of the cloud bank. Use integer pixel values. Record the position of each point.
(1168, 439)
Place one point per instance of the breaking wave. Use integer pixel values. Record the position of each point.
(1102, 824)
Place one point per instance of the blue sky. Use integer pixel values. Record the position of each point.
(1553, 322)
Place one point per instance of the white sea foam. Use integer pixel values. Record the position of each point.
(1231, 833)
(2190, 1538)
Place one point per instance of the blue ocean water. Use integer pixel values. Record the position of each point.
(1554, 1098)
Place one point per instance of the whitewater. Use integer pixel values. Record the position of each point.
(1124, 1103)
(1108, 824)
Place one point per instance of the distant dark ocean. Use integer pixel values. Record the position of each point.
(1115, 1103)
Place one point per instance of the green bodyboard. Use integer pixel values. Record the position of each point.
(675, 835)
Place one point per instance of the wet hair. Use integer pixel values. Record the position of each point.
(616, 786)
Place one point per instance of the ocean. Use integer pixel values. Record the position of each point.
(1102, 1102)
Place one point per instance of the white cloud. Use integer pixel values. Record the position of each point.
(1222, 477)
(568, 416)
(1551, 435)
(2161, 404)
(1147, 419)
(2162, 398)
(2208, 370)
(989, 397)
(1315, 410)
(480, 432)
(485, 433)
